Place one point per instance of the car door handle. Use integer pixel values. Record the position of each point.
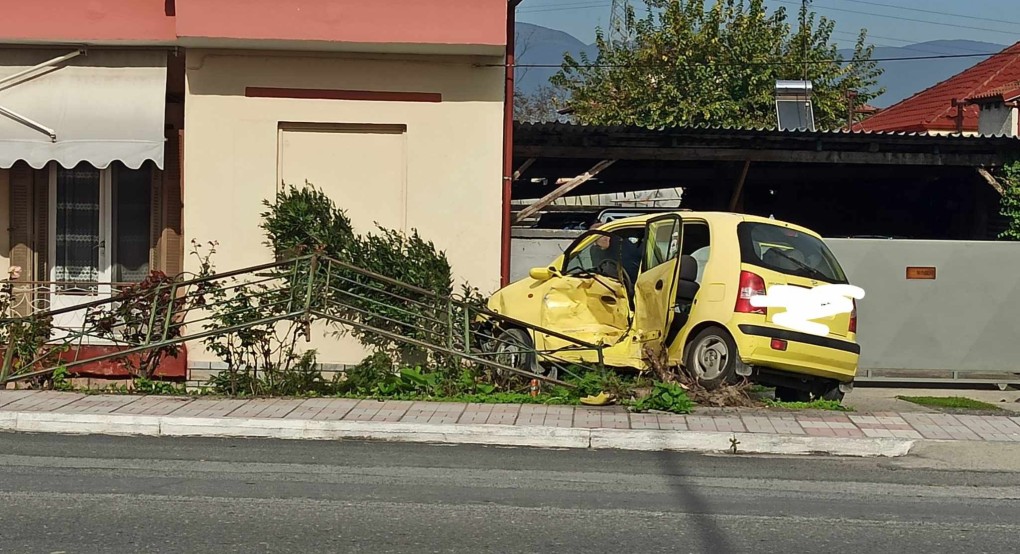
(609, 299)
(658, 285)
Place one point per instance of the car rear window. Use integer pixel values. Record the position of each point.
(788, 251)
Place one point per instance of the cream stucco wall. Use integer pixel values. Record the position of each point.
(236, 150)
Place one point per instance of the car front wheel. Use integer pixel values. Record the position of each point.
(712, 357)
(514, 348)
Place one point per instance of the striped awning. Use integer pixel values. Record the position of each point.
(99, 106)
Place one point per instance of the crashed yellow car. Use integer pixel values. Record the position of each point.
(682, 283)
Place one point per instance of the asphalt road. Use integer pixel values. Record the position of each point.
(106, 494)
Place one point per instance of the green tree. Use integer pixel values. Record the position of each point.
(689, 63)
(541, 106)
(1010, 202)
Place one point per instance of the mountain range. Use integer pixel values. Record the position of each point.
(537, 45)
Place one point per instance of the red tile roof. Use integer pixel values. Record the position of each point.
(932, 109)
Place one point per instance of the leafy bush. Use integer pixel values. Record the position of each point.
(60, 379)
(366, 376)
(667, 397)
(394, 308)
(148, 386)
(304, 221)
(1010, 201)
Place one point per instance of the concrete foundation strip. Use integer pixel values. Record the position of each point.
(503, 435)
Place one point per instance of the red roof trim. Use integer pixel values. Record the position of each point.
(1005, 93)
(329, 94)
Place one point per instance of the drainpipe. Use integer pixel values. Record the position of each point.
(508, 143)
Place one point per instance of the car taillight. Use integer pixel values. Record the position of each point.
(750, 285)
(853, 317)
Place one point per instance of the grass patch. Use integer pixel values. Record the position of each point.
(830, 405)
(957, 402)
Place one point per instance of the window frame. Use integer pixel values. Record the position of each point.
(107, 225)
(104, 265)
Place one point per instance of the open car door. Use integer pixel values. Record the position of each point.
(591, 299)
(656, 285)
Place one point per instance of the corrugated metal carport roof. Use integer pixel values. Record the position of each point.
(588, 142)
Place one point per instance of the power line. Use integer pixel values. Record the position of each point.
(565, 7)
(956, 26)
(777, 63)
(920, 10)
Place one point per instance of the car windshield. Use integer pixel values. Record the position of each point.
(608, 255)
(788, 251)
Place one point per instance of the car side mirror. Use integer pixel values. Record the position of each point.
(542, 273)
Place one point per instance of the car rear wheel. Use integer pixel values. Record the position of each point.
(832, 393)
(712, 357)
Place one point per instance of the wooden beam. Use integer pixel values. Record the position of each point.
(524, 167)
(992, 181)
(739, 189)
(563, 189)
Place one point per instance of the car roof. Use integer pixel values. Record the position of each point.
(721, 218)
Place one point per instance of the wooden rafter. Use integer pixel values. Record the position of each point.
(524, 167)
(739, 189)
(562, 189)
(992, 181)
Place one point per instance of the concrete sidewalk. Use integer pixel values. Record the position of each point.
(755, 431)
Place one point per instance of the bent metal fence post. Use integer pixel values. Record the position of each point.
(137, 320)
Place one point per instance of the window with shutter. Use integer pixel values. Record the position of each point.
(22, 185)
(172, 247)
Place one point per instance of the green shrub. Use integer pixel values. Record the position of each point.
(364, 377)
(667, 397)
(304, 220)
(145, 385)
(1010, 201)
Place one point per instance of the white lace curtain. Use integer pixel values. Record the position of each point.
(77, 236)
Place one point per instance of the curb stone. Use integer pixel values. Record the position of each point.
(449, 433)
(748, 443)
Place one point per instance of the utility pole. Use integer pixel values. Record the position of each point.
(804, 34)
(851, 95)
(618, 22)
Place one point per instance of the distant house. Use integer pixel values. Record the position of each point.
(948, 107)
(999, 110)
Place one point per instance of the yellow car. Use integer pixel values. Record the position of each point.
(682, 283)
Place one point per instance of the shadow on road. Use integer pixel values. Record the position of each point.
(710, 535)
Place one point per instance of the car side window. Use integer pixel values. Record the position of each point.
(697, 244)
(663, 242)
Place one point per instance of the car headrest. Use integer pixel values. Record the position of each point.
(688, 268)
(774, 259)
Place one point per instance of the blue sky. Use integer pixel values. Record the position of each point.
(889, 22)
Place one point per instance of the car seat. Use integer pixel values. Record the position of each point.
(687, 288)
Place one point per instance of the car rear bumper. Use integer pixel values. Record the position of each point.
(805, 353)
